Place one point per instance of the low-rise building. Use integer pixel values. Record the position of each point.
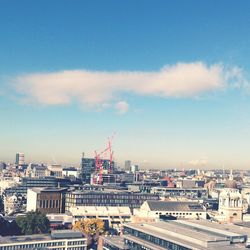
(179, 235)
(179, 209)
(196, 192)
(115, 216)
(58, 239)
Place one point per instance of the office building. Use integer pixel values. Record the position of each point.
(113, 216)
(35, 170)
(134, 168)
(180, 192)
(88, 168)
(70, 172)
(46, 200)
(107, 198)
(127, 165)
(57, 240)
(55, 170)
(19, 159)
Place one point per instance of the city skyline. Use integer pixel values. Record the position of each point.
(171, 80)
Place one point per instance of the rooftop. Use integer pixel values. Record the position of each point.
(188, 235)
(48, 189)
(175, 206)
(56, 234)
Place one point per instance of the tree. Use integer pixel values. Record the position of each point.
(8, 227)
(33, 223)
(91, 228)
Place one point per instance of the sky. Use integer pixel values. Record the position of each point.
(169, 79)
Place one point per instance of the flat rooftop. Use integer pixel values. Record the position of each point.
(47, 189)
(55, 235)
(188, 236)
(228, 229)
(117, 241)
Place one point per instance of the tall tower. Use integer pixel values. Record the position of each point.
(20, 159)
(230, 204)
(127, 165)
(87, 168)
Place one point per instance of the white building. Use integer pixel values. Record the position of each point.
(114, 215)
(69, 172)
(230, 205)
(179, 209)
(134, 168)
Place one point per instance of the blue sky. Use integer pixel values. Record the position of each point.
(170, 78)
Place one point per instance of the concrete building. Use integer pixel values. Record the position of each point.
(128, 177)
(179, 235)
(230, 205)
(58, 239)
(127, 166)
(70, 172)
(55, 170)
(134, 168)
(187, 183)
(114, 216)
(35, 170)
(180, 210)
(46, 200)
(107, 198)
(58, 220)
(12, 204)
(196, 192)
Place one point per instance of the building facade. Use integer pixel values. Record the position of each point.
(57, 240)
(231, 204)
(111, 198)
(180, 210)
(46, 200)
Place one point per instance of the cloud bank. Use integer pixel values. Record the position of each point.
(100, 88)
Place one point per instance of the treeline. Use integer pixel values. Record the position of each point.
(31, 223)
(8, 228)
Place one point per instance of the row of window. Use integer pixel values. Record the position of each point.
(179, 213)
(45, 245)
(49, 203)
(78, 242)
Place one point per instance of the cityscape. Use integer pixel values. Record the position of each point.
(125, 125)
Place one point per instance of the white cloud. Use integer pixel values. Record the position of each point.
(199, 162)
(121, 107)
(98, 88)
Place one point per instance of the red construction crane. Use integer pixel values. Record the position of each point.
(99, 162)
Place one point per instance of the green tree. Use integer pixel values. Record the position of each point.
(33, 223)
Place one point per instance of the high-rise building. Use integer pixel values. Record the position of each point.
(88, 168)
(127, 165)
(134, 168)
(20, 159)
